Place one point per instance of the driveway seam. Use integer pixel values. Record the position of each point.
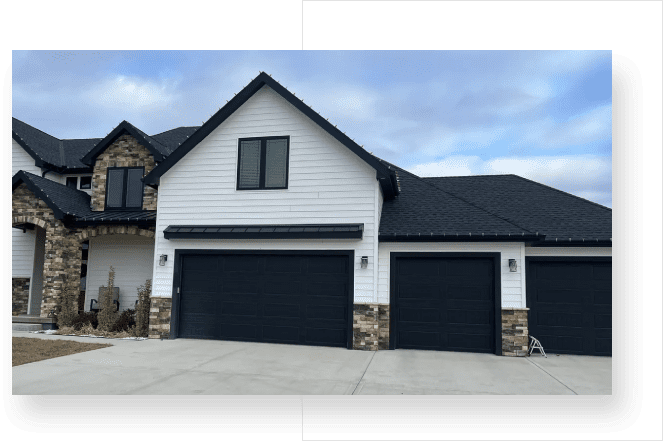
(362, 375)
(551, 376)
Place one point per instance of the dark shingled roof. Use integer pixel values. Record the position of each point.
(424, 212)
(557, 215)
(66, 154)
(75, 204)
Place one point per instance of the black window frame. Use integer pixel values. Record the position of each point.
(69, 179)
(80, 182)
(263, 162)
(124, 190)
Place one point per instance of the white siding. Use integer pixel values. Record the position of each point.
(569, 251)
(21, 160)
(327, 184)
(131, 257)
(513, 284)
(23, 251)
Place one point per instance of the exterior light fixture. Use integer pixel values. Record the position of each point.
(162, 259)
(364, 261)
(513, 266)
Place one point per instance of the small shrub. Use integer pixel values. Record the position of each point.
(125, 321)
(107, 315)
(143, 309)
(85, 319)
(87, 330)
(65, 330)
(68, 308)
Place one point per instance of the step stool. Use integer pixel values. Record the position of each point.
(535, 344)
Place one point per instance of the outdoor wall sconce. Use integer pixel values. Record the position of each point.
(364, 262)
(162, 259)
(513, 266)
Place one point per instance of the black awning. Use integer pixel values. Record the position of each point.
(307, 231)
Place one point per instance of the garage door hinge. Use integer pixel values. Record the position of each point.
(178, 289)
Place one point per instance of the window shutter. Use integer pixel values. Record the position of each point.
(275, 169)
(249, 164)
(114, 188)
(134, 188)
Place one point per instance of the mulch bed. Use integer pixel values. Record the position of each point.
(28, 350)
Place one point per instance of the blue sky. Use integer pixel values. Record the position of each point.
(544, 115)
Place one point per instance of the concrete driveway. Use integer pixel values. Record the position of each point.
(191, 367)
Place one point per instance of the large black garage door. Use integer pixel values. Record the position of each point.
(443, 303)
(279, 298)
(570, 304)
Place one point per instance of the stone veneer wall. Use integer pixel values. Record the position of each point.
(515, 336)
(370, 327)
(20, 295)
(124, 152)
(160, 310)
(63, 247)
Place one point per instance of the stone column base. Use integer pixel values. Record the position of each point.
(370, 327)
(20, 295)
(515, 336)
(160, 309)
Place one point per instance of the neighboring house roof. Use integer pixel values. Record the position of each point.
(423, 212)
(74, 205)
(385, 175)
(158, 150)
(557, 215)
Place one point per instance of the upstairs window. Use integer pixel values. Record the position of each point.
(124, 188)
(263, 163)
(72, 182)
(86, 182)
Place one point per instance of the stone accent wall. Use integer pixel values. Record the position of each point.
(63, 247)
(160, 310)
(20, 295)
(370, 327)
(124, 152)
(515, 337)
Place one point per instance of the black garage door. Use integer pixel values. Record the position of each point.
(279, 298)
(570, 305)
(443, 303)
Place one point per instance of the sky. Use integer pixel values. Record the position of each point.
(543, 115)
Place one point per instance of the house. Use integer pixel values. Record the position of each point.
(268, 224)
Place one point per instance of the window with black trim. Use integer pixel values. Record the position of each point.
(263, 163)
(72, 182)
(86, 182)
(124, 188)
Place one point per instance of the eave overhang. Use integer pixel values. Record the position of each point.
(302, 231)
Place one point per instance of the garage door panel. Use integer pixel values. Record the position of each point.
(327, 312)
(283, 334)
(240, 308)
(285, 310)
(571, 313)
(326, 336)
(420, 339)
(468, 292)
(468, 317)
(200, 263)
(266, 297)
(470, 342)
(418, 267)
(417, 291)
(423, 315)
(468, 270)
(240, 264)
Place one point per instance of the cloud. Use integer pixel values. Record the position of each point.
(132, 93)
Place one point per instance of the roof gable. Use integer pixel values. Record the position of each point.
(64, 201)
(384, 173)
(158, 150)
(44, 148)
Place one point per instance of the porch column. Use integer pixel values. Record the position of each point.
(62, 266)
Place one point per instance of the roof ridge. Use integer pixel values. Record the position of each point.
(565, 193)
(466, 201)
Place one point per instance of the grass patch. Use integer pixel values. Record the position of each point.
(28, 350)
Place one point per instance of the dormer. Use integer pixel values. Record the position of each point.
(119, 162)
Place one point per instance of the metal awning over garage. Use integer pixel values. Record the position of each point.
(320, 231)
